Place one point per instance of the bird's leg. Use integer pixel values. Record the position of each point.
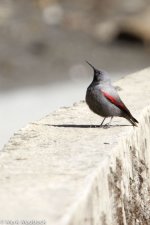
(110, 120)
(102, 121)
(107, 125)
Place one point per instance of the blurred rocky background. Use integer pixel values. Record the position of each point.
(44, 45)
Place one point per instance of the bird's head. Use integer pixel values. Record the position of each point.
(99, 75)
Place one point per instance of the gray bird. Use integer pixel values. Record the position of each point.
(103, 99)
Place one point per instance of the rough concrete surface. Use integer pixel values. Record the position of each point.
(66, 170)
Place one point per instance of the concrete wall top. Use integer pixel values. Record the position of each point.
(49, 168)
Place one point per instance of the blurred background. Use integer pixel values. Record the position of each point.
(44, 45)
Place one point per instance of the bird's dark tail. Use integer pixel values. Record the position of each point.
(132, 120)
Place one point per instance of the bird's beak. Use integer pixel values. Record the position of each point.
(90, 65)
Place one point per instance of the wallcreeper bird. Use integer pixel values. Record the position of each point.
(103, 99)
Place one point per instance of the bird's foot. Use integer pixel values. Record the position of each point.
(106, 126)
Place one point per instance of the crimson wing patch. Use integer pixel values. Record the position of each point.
(116, 102)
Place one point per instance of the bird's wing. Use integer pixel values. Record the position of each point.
(115, 99)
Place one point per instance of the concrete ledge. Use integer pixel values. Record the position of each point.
(65, 171)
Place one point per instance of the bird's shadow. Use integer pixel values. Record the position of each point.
(85, 126)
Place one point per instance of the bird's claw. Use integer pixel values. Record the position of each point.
(106, 126)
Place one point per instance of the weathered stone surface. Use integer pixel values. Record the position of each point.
(66, 170)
